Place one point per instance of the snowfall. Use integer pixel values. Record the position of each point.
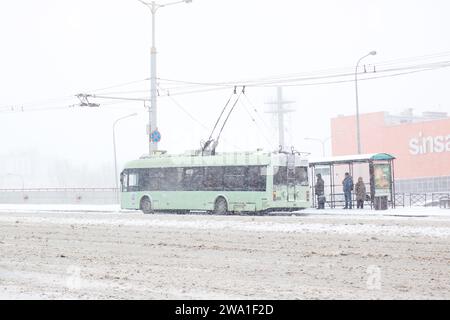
(102, 252)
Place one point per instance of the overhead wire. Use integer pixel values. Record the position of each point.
(420, 68)
(360, 79)
(252, 106)
(256, 124)
(35, 103)
(177, 104)
(124, 84)
(58, 108)
(364, 77)
(417, 58)
(312, 78)
(188, 113)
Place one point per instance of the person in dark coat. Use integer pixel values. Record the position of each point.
(319, 189)
(360, 191)
(347, 184)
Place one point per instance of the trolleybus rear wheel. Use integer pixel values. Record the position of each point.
(220, 206)
(146, 205)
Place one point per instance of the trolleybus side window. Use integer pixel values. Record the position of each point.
(256, 178)
(193, 179)
(197, 179)
(152, 179)
(133, 181)
(213, 178)
(172, 179)
(234, 178)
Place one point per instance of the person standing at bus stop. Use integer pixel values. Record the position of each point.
(319, 189)
(347, 184)
(360, 191)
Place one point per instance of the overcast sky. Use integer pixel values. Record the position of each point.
(53, 49)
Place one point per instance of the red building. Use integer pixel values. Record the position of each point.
(421, 145)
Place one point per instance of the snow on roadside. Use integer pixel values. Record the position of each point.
(232, 223)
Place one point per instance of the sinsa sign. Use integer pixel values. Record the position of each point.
(429, 144)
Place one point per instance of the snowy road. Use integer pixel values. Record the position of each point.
(54, 254)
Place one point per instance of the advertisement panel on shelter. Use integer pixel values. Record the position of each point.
(382, 178)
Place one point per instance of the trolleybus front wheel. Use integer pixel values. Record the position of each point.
(146, 205)
(220, 206)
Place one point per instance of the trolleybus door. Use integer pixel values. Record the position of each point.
(290, 172)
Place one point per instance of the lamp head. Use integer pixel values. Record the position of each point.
(372, 53)
(188, 1)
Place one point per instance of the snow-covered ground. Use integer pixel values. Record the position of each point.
(85, 252)
(400, 211)
(362, 223)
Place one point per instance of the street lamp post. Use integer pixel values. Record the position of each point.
(322, 141)
(115, 154)
(153, 6)
(358, 133)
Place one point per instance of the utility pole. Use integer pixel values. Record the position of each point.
(280, 111)
(358, 132)
(154, 134)
(153, 145)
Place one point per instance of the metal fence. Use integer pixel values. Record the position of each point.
(421, 199)
(59, 196)
(436, 199)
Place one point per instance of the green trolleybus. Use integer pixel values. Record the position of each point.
(220, 183)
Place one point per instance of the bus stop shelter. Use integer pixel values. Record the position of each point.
(377, 171)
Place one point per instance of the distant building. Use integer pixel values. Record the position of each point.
(421, 145)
